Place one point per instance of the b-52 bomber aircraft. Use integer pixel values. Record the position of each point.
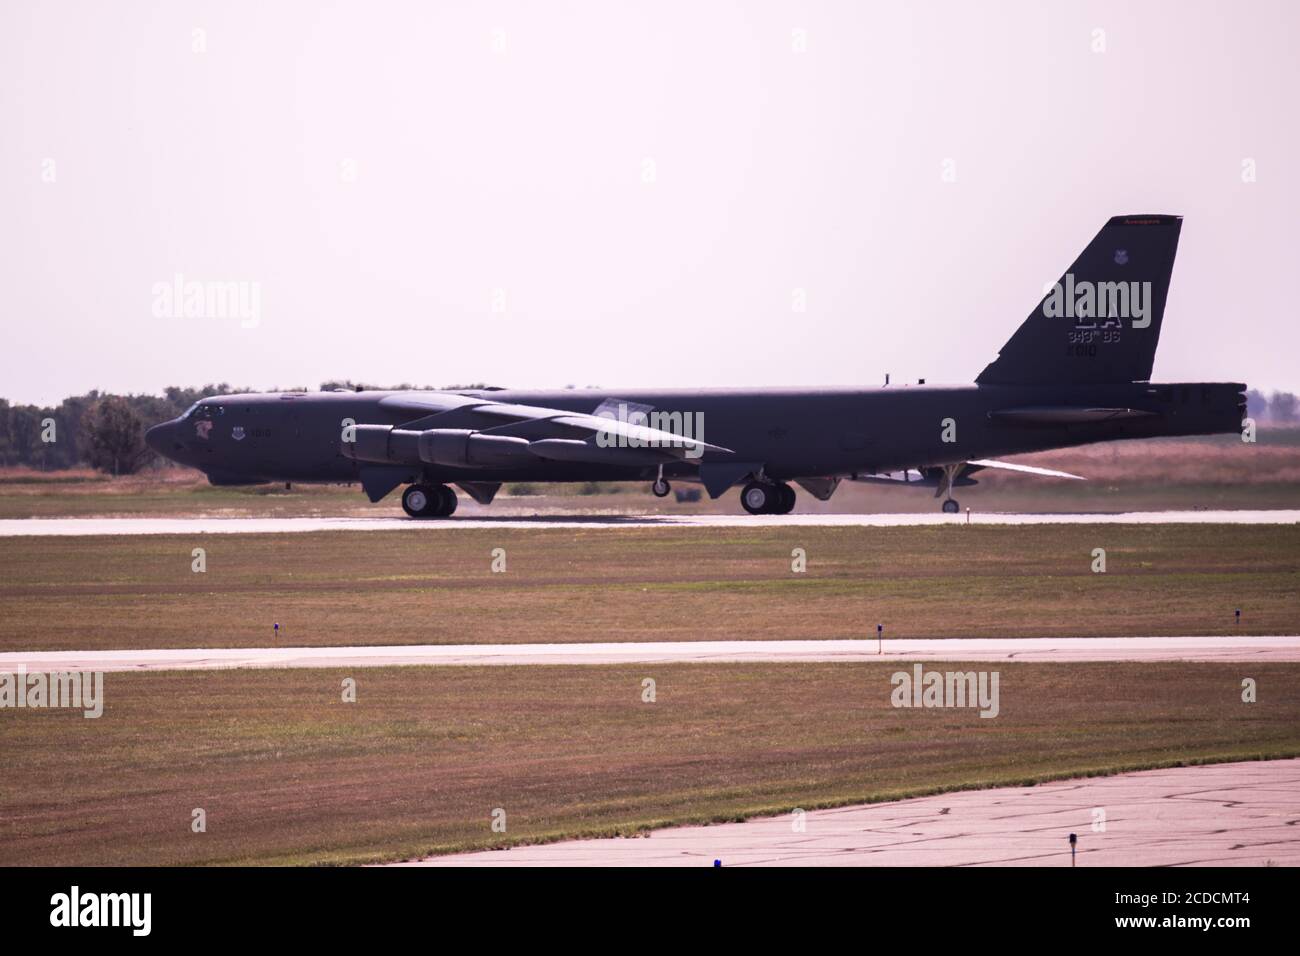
(1076, 371)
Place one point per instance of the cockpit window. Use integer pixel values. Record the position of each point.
(199, 410)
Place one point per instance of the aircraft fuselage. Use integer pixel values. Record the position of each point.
(793, 433)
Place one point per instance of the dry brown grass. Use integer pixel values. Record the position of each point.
(433, 585)
(288, 773)
(23, 475)
(1201, 461)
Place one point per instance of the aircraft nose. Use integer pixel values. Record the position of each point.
(157, 437)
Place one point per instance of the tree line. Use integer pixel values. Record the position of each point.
(1280, 408)
(106, 431)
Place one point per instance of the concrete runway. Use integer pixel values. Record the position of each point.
(1238, 814)
(1068, 649)
(22, 527)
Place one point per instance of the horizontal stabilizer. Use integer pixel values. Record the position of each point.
(934, 477)
(1024, 469)
(1065, 415)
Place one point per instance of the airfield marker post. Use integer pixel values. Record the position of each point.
(1073, 840)
(1238, 620)
(880, 633)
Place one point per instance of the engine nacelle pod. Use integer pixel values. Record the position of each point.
(462, 448)
(370, 443)
(382, 444)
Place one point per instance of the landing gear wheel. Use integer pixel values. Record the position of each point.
(951, 507)
(661, 488)
(757, 498)
(429, 501)
(418, 501)
(785, 499)
(449, 501)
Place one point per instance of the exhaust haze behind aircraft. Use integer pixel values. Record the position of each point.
(1076, 371)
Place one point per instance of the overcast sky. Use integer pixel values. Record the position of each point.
(627, 193)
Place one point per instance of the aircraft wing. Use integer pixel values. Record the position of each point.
(554, 433)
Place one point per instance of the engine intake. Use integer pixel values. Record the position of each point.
(372, 443)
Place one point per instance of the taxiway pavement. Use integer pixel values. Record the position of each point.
(1232, 814)
(1040, 649)
(22, 527)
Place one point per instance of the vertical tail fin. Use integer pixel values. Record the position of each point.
(1100, 323)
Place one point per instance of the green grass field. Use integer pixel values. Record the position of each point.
(436, 586)
(288, 773)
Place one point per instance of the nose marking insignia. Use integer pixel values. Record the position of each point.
(237, 433)
(1121, 256)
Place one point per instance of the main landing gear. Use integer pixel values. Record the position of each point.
(767, 498)
(429, 501)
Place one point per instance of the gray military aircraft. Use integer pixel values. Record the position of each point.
(1076, 371)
